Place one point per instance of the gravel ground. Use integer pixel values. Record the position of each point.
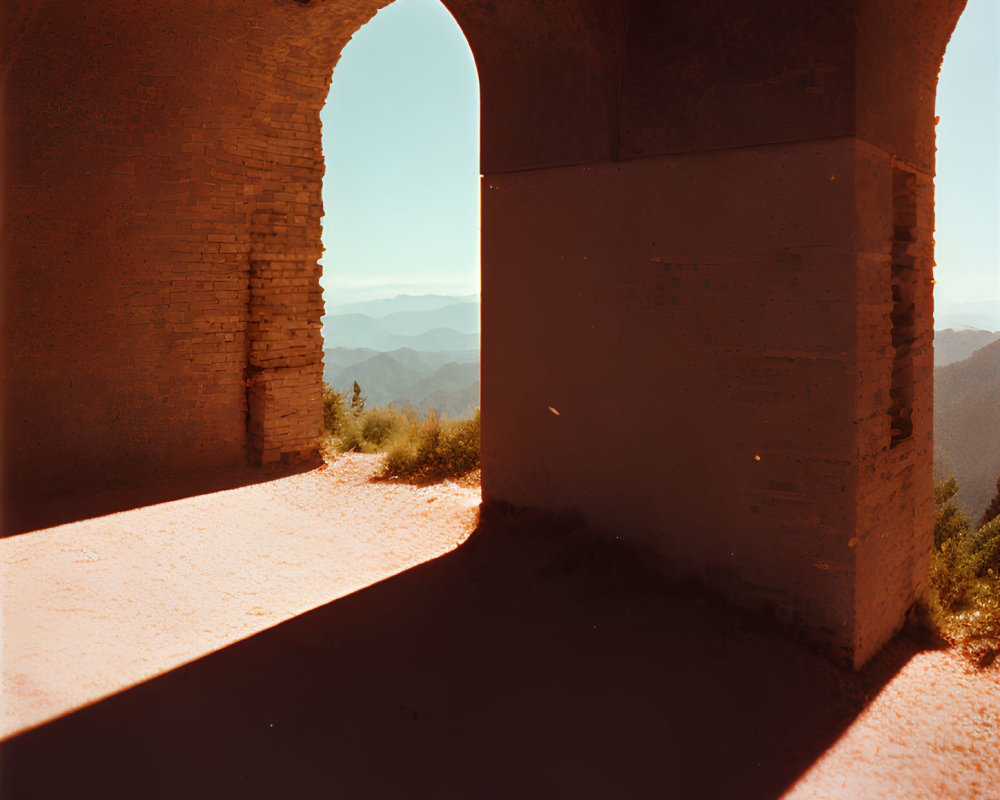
(93, 607)
(933, 732)
(520, 665)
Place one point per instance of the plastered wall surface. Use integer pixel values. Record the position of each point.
(706, 244)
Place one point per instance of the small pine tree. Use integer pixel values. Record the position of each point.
(357, 401)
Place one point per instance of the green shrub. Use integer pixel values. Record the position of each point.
(374, 430)
(350, 437)
(949, 521)
(993, 509)
(333, 409)
(399, 459)
(965, 579)
(381, 426)
(458, 447)
(435, 450)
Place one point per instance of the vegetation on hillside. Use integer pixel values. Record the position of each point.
(951, 346)
(444, 380)
(964, 599)
(967, 426)
(993, 509)
(434, 450)
(419, 451)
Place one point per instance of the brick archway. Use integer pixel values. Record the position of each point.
(694, 206)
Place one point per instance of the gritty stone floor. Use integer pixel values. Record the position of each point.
(93, 607)
(528, 662)
(932, 732)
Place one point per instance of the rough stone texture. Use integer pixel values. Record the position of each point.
(161, 239)
(699, 196)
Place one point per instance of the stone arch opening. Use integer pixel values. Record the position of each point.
(967, 280)
(281, 373)
(401, 202)
(162, 216)
(701, 198)
(966, 166)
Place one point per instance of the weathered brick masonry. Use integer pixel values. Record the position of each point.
(722, 211)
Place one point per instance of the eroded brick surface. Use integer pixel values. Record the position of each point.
(688, 205)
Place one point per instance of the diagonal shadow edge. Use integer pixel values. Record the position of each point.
(528, 662)
(27, 515)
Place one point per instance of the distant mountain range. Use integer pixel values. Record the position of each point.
(422, 352)
(444, 381)
(951, 345)
(454, 326)
(402, 302)
(412, 351)
(967, 426)
(982, 314)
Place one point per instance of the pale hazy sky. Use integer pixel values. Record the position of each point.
(401, 139)
(967, 236)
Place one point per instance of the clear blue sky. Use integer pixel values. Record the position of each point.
(401, 141)
(967, 236)
(401, 138)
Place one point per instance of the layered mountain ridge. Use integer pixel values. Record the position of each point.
(419, 352)
(967, 426)
(422, 352)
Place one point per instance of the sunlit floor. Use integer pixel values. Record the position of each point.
(93, 607)
(533, 662)
(932, 732)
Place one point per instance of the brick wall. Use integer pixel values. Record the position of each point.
(899, 52)
(161, 239)
(688, 205)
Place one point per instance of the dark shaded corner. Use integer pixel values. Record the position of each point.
(529, 663)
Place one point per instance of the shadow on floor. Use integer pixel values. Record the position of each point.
(24, 515)
(526, 664)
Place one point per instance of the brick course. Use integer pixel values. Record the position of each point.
(691, 201)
